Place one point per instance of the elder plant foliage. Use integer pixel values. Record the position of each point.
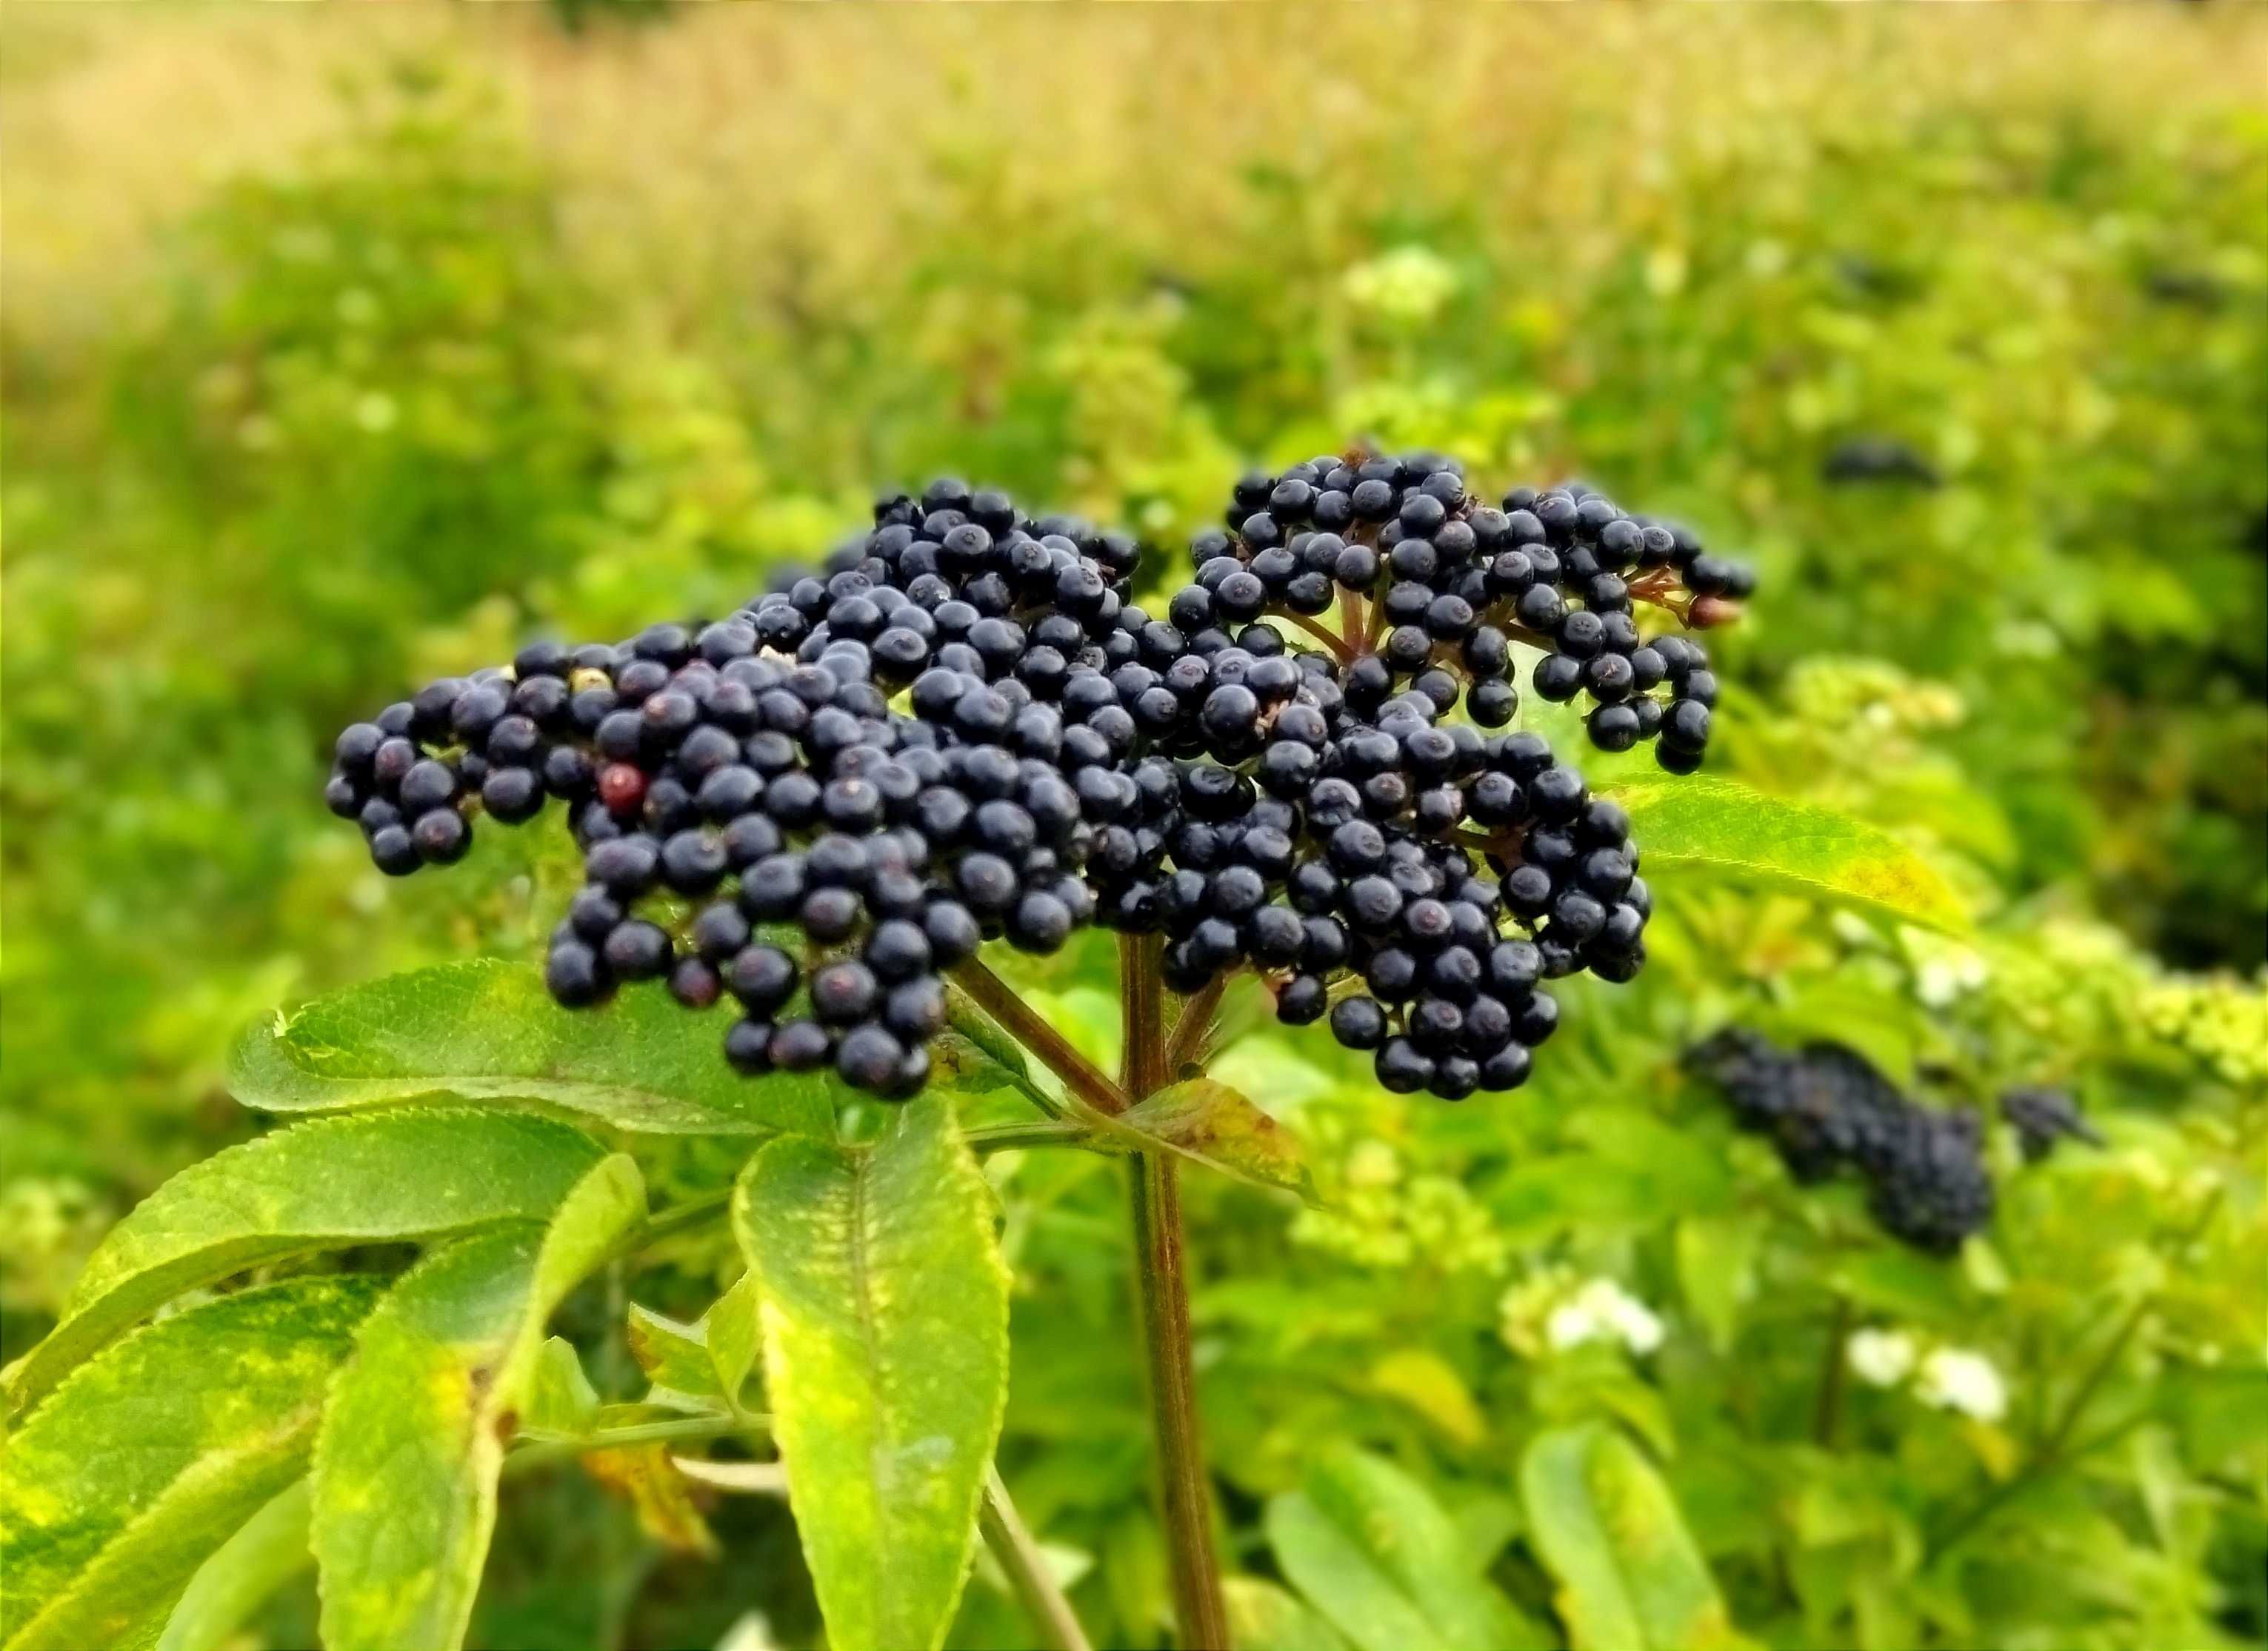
(805, 824)
(1969, 361)
(960, 731)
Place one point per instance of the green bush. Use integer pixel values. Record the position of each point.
(380, 408)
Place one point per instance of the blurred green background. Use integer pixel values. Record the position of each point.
(343, 347)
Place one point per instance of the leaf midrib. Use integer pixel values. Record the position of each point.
(869, 1333)
(514, 1086)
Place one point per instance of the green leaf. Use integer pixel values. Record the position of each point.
(321, 1185)
(243, 1573)
(675, 1359)
(972, 1055)
(412, 1439)
(1377, 1555)
(147, 1458)
(1716, 1268)
(560, 1401)
(1677, 1174)
(488, 1031)
(1717, 825)
(1208, 1122)
(1262, 1616)
(1925, 1289)
(1430, 1385)
(733, 1330)
(884, 1308)
(1629, 1576)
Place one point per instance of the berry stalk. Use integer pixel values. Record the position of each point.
(999, 999)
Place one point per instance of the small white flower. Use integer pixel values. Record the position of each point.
(1883, 1358)
(1572, 1324)
(1601, 1308)
(1955, 1379)
(1853, 930)
(1936, 984)
(1641, 1330)
(1943, 969)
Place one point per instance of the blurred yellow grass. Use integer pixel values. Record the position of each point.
(740, 145)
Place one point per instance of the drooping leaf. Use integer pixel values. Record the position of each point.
(1716, 825)
(1262, 1616)
(320, 1185)
(1376, 1554)
(884, 1308)
(1629, 1576)
(486, 1029)
(150, 1456)
(1208, 1122)
(406, 1465)
(243, 1573)
(645, 1477)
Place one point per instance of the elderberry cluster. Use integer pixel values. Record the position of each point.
(1826, 1108)
(961, 728)
(2043, 1119)
(1433, 577)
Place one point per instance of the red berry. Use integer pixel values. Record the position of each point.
(622, 787)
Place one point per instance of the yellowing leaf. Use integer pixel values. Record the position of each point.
(324, 1184)
(1385, 1565)
(243, 1575)
(646, 1477)
(150, 1456)
(1427, 1383)
(884, 1308)
(1209, 1123)
(414, 1435)
(1631, 1578)
(1716, 825)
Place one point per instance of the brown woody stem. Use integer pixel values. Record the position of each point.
(1161, 1291)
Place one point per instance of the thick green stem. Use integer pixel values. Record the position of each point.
(1162, 1293)
(1027, 1568)
(1005, 1138)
